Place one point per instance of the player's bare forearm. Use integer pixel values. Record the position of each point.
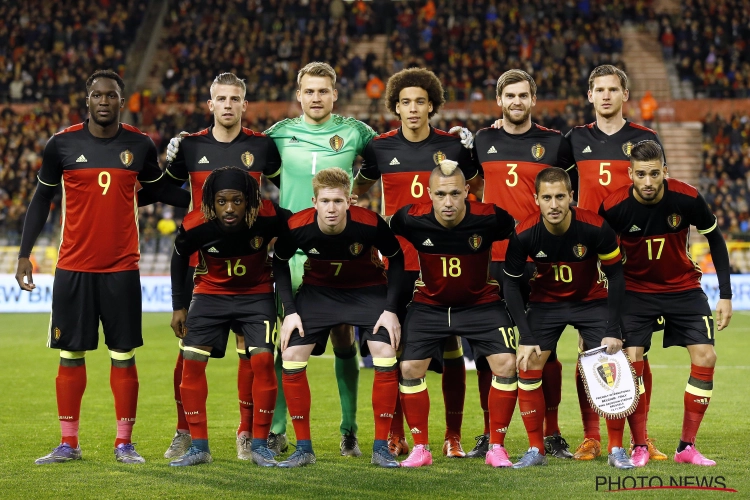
(723, 313)
(179, 318)
(23, 274)
(476, 187)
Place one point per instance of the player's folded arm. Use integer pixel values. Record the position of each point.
(164, 190)
(720, 257)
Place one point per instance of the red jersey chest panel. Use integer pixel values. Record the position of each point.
(655, 238)
(454, 263)
(603, 160)
(511, 164)
(567, 266)
(99, 208)
(346, 260)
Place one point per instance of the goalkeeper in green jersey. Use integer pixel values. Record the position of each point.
(309, 143)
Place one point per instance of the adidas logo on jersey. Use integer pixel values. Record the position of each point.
(415, 430)
(395, 161)
(587, 149)
(213, 250)
(427, 243)
(293, 140)
(81, 159)
(491, 150)
(203, 160)
(540, 254)
(634, 229)
(314, 252)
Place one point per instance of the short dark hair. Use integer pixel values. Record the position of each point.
(515, 76)
(250, 190)
(552, 175)
(414, 77)
(104, 73)
(647, 150)
(606, 70)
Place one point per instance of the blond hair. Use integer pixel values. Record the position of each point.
(229, 79)
(317, 68)
(332, 178)
(447, 168)
(515, 76)
(606, 70)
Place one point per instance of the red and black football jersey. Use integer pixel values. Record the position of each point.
(232, 263)
(567, 266)
(655, 238)
(346, 260)
(99, 204)
(200, 154)
(511, 163)
(405, 167)
(454, 263)
(603, 160)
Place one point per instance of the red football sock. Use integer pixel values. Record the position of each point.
(297, 393)
(589, 417)
(531, 404)
(615, 428)
(384, 395)
(454, 395)
(70, 384)
(264, 390)
(552, 388)
(502, 404)
(245, 395)
(397, 422)
(417, 412)
(182, 424)
(697, 397)
(124, 384)
(194, 389)
(647, 384)
(484, 379)
(637, 420)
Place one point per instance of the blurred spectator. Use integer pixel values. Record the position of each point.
(374, 89)
(648, 107)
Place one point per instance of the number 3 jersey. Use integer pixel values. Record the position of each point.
(567, 266)
(655, 238)
(99, 180)
(405, 169)
(232, 263)
(346, 260)
(511, 163)
(454, 263)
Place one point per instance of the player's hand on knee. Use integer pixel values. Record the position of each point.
(613, 344)
(389, 321)
(291, 322)
(24, 269)
(498, 123)
(174, 146)
(524, 353)
(179, 317)
(467, 138)
(723, 312)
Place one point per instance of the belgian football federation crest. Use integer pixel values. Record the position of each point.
(247, 159)
(438, 157)
(356, 248)
(475, 241)
(579, 250)
(610, 382)
(537, 151)
(256, 242)
(126, 157)
(674, 221)
(57, 333)
(627, 148)
(336, 142)
(606, 369)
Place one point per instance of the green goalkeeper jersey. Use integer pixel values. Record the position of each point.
(306, 149)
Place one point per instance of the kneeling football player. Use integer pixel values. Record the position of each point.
(233, 287)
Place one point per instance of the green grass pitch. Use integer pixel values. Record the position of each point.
(29, 429)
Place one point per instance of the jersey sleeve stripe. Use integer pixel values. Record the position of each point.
(46, 184)
(610, 258)
(275, 174)
(174, 176)
(706, 231)
(151, 182)
(360, 174)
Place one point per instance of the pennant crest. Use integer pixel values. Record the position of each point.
(356, 248)
(475, 241)
(126, 157)
(537, 151)
(627, 148)
(579, 250)
(438, 157)
(247, 159)
(336, 142)
(607, 371)
(256, 242)
(674, 221)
